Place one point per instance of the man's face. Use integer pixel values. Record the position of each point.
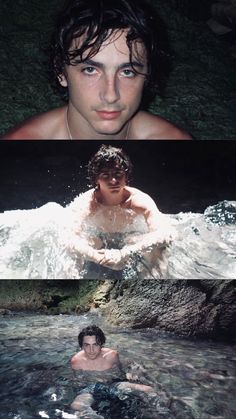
(111, 180)
(91, 348)
(104, 91)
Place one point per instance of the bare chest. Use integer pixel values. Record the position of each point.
(113, 219)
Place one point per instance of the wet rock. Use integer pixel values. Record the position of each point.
(4, 311)
(190, 308)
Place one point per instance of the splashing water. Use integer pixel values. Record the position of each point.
(33, 246)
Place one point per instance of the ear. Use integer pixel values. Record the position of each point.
(62, 80)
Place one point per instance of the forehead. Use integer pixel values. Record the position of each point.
(111, 168)
(115, 48)
(89, 339)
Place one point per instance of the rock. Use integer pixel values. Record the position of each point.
(200, 308)
(4, 311)
(223, 18)
(188, 308)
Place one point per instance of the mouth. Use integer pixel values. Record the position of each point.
(109, 115)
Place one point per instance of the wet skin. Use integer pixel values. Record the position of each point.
(111, 185)
(105, 91)
(91, 348)
(95, 358)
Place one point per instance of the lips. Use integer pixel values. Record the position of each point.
(109, 115)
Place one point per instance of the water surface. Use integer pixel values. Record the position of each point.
(193, 378)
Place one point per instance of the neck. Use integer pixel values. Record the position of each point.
(110, 199)
(85, 134)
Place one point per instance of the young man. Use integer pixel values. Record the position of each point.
(106, 56)
(95, 359)
(114, 224)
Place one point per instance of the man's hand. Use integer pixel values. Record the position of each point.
(111, 258)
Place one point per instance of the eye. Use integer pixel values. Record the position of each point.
(104, 175)
(89, 70)
(119, 174)
(128, 73)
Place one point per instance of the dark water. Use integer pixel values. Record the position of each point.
(192, 379)
(33, 246)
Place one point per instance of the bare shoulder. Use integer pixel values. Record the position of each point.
(76, 361)
(44, 126)
(147, 126)
(111, 354)
(140, 199)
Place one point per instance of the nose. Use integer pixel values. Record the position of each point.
(110, 89)
(113, 179)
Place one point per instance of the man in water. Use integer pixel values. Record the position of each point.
(114, 224)
(94, 362)
(106, 58)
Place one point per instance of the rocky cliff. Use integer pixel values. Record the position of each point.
(200, 308)
(191, 308)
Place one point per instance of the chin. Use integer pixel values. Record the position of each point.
(108, 129)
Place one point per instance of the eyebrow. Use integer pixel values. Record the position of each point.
(123, 65)
(86, 343)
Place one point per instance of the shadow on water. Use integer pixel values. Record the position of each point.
(192, 378)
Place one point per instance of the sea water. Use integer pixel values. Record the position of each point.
(192, 378)
(33, 246)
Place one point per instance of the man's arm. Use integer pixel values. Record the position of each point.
(76, 240)
(160, 234)
(81, 246)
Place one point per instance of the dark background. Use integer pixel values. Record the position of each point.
(179, 175)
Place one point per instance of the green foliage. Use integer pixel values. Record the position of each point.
(53, 296)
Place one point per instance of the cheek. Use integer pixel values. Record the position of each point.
(100, 183)
(103, 184)
(133, 92)
(81, 82)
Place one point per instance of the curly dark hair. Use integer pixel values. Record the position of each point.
(95, 21)
(92, 330)
(108, 157)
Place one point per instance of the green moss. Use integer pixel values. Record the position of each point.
(48, 296)
(20, 295)
(70, 296)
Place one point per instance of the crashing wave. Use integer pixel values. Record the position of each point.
(33, 246)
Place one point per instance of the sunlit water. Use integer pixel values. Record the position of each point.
(192, 379)
(33, 246)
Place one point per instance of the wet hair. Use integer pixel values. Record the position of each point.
(95, 21)
(109, 157)
(92, 330)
